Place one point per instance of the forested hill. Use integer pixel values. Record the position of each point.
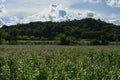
(87, 28)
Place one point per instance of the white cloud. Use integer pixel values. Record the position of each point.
(115, 21)
(93, 1)
(1, 22)
(13, 20)
(25, 6)
(114, 18)
(1, 1)
(38, 10)
(90, 14)
(55, 12)
(113, 3)
(48, 2)
(2, 11)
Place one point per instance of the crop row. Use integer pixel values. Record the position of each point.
(61, 64)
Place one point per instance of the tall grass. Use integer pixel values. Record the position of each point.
(59, 64)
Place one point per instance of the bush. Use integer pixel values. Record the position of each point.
(95, 42)
(104, 41)
(65, 40)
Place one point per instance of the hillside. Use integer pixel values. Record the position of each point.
(87, 28)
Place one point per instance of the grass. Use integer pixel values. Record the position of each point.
(45, 62)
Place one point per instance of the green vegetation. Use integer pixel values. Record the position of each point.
(59, 62)
(75, 31)
(65, 40)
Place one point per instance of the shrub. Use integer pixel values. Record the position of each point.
(104, 42)
(65, 40)
(95, 42)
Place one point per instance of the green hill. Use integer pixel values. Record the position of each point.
(87, 28)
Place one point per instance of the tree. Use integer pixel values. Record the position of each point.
(87, 28)
(3, 35)
(12, 37)
(95, 42)
(66, 40)
(104, 40)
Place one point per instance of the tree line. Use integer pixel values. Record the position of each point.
(88, 28)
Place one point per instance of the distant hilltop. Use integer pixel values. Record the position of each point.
(87, 28)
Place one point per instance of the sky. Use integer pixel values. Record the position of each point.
(24, 11)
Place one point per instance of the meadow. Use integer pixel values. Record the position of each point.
(53, 62)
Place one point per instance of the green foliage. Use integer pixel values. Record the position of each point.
(65, 40)
(95, 42)
(104, 41)
(3, 35)
(98, 42)
(87, 28)
(59, 63)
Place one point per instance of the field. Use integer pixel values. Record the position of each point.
(52, 62)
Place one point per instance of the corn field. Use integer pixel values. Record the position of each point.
(59, 62)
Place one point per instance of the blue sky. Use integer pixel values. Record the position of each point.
(18, 11)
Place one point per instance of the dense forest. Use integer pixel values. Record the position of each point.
(97, 31)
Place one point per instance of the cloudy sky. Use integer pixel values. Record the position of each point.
(25, 11)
